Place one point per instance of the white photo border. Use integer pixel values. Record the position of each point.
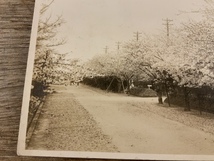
(21, 147)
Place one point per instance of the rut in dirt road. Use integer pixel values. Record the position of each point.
(65, 125)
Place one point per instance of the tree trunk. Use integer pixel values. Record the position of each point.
(167, 94)
(119, 84)
(160, 99)
(128, 87)
(200, 103)
(123, 86)
(110, 84)
(186, 98)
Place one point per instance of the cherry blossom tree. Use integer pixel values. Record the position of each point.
(47, 59)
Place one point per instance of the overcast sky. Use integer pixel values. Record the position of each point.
(93, 24)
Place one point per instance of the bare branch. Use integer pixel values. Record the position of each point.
(45, 7)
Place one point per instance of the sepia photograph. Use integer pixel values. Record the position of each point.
(120, 79)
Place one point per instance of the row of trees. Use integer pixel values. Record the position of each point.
(184, 60)
(48, 61)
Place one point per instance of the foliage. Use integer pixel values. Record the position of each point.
(47, 59)
(183, 60)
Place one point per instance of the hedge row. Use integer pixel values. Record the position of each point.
(109, 83)
(201, 99)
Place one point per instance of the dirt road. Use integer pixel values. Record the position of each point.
(123, 123)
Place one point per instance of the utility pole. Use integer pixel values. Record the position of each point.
(106, 49)
(168, 24)
(118, 46)
(137, 35)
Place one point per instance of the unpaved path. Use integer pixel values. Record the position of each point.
(83, 118)
(65, 125)
(138, 130)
